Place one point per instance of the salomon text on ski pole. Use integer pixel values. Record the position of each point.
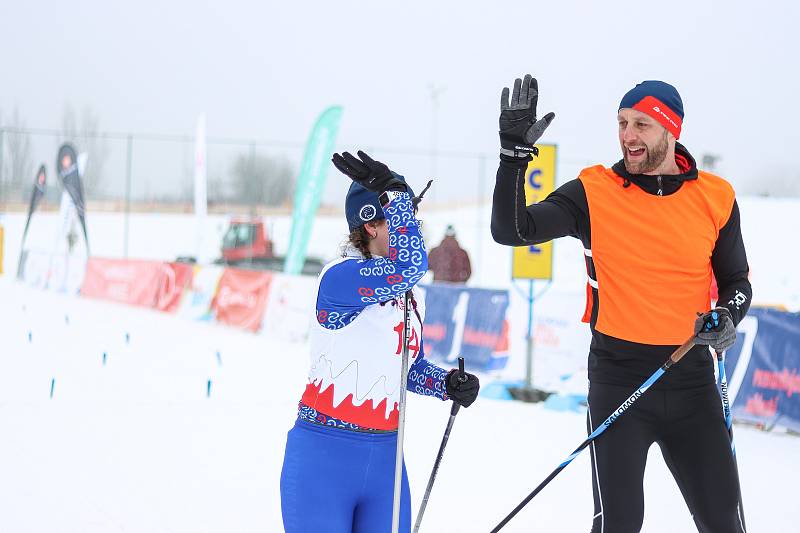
(726, 407)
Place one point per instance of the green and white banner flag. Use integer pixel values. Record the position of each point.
(310, 185)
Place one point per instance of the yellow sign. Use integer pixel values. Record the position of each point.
(536, 261)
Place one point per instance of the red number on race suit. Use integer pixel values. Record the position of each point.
(413, 341)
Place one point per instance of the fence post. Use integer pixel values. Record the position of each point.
(481, 192)
(2, 150)
(128, 193)
(251, 171)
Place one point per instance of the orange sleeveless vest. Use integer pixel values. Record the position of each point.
(652, 254)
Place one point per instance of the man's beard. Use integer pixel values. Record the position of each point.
(654, 156)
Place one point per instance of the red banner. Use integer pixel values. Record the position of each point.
(176, 279)
(130, 281)
(242, 298)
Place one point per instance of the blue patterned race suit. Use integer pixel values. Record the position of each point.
(338, 469)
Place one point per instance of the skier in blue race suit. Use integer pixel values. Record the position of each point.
(338, 469)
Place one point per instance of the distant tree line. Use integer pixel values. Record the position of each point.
(262, 180)
(245, 177)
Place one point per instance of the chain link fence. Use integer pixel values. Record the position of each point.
(151, 172)
(155, 171)
(141, 175)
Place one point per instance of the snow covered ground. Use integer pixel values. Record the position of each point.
(161, 236)
(561, 339)
(139, 445)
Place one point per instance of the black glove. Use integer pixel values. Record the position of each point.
(462, 389)
(371, 174)
(519, 129)
(715, 329)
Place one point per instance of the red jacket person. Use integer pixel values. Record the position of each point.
(448, 261)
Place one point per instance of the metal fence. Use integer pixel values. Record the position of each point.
(145, 169)
(155, 171)
(128, 173)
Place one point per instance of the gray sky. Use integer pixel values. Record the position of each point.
(265, 70)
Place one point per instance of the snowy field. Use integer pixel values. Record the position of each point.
(139, 445)
(166, 236)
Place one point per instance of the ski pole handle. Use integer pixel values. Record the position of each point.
(462, 378)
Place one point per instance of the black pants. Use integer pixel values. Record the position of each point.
(689, 427)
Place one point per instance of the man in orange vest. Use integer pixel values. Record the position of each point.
(654, 228)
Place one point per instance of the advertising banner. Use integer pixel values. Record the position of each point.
(196, 305)
(130, 281)
(467, 322)
(69, 172)
(764, 369)
(310, 186)
(176, 279)
(241, 298)
(39, 186)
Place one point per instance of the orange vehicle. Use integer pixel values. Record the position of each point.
(246, 239)
(246, 244)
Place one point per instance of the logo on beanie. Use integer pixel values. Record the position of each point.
(659, 100)
(367, 213)
(667, 117)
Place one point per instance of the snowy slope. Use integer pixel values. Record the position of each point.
(137, 445)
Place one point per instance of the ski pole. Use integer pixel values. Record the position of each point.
(674, 358)
(453, 412)
(401, 422)
(726, 409)
(711, 322)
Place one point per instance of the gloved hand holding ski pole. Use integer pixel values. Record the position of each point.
(462, 387)
(715, 329)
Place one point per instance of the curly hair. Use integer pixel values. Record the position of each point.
(359, 239)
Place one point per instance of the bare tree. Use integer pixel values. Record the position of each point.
(259, 179)
(84, 133)
(18, 171)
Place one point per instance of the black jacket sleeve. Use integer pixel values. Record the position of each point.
(729, 262)
(564, 212)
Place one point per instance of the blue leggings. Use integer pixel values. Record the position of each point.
(340, 481)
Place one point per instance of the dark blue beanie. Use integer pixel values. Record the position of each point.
(658, 99)
(362, 205)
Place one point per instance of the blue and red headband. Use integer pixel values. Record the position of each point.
(659, 100)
